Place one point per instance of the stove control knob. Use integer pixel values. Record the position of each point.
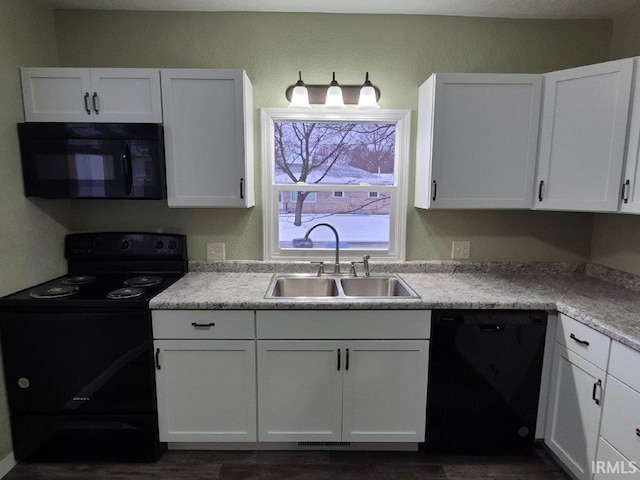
(158, 245)
(23, 382)
(124, 244)
(172, 245)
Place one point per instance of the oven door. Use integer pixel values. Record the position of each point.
(78, 363)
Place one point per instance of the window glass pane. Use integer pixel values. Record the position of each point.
(362, 222)
(309, 197)
(334, 153)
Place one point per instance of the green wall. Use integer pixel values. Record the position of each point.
(32, 232)
(399, 51)
(616, 238)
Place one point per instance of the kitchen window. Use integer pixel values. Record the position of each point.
(346, 168)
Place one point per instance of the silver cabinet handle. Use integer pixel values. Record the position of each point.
(87, 107)
(625, 191)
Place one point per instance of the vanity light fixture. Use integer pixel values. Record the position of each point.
(333, 96)
(300, 94)
(368, 100)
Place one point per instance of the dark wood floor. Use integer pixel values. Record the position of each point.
(311, 465)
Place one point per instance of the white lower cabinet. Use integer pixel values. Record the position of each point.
(619, 445)
(206, 390)
(350, 391)
(574, 412)
(610, 464)
(342, 376)
(205, 375)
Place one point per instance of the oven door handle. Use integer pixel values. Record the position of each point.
(127, 172)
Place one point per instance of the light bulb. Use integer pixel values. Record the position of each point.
(300, 95)
(334, 95)
(367, 100)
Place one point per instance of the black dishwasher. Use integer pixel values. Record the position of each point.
(484, 380)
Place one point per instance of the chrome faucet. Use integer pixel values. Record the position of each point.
(336, 265)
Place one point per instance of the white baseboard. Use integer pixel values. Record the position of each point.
(7, 464)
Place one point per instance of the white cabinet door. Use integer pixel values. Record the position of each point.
(573, 417)
(126, 95)
(299, 390)
(206, 390)
(612, 465)
(91, 95)
(631, 178)
(582, 137)
(621, 418)
(385, 390)
(56, 94)
(208, 120)
(477, 140)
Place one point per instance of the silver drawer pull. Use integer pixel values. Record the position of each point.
(638, 432)
(577, 340)
(203, 325)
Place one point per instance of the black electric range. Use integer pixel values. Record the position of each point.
(78, 350)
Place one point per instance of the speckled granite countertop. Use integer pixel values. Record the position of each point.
(578, 292)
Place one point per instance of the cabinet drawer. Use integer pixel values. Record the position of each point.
(611, 465)
(621, 418)
(197, 324)
(624, 364)
(583, 340)
(341, 324)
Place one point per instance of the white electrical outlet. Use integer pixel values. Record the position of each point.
(460, 249)
(215, 252)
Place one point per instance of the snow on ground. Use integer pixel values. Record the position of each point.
(350, 227)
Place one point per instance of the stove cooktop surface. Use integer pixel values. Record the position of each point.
(93, 290)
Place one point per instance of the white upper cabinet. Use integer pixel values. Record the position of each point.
(477, 141)
(631, 179)
(208, 127)
(582, 137)
(91, 95)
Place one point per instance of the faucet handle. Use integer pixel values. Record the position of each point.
(320, 267)
(353, 271)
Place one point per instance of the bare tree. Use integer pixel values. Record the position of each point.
(307, 151)
(375, 150)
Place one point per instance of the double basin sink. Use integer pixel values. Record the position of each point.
(313, 287)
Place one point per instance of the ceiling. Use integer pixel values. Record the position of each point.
(475, 8)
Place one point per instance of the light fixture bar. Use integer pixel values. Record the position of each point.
(318, 93)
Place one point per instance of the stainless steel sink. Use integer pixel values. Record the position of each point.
(376, 287)
(302, 286)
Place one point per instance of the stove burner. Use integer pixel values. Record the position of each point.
(57, 291)
(78, 280)
(144, 281)
(123, 293)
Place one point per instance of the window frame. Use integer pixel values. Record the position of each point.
(399, 191)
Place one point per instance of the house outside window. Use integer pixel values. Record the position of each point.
(307, 155)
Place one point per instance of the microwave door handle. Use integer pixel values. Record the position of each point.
(127, 169)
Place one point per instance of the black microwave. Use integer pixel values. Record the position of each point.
(93, 160)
